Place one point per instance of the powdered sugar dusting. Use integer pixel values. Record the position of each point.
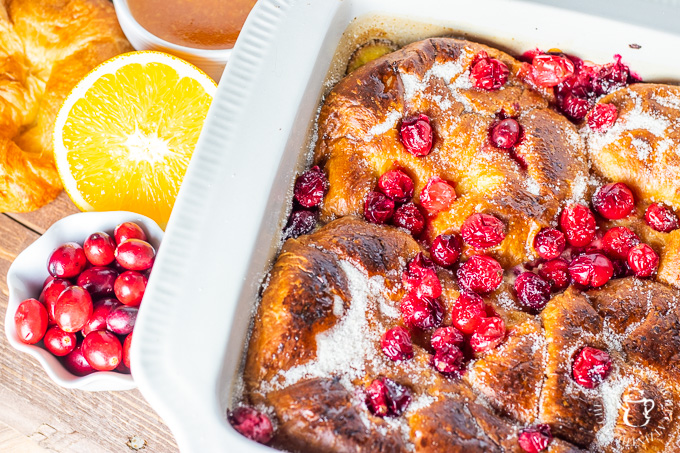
(532, 186)
(643, 148)
(611, 390)
(578, 188)
(635, 119)
(671, 102)
(447, 72)
(390, 123)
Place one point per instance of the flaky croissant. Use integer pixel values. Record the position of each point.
(46, 47)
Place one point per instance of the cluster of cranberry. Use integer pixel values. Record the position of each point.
(90, 336)
(577, 83)
(593, 257)
(476, 328)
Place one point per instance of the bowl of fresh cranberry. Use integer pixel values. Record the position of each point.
(74, 295)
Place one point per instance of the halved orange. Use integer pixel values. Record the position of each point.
(125, 134)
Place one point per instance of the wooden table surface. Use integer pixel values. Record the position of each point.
(36, 415)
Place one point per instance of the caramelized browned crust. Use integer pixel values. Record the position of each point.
(457, 423)
(647, 317)
(572, 412)
(320, 415)
(306, 284)
(511, 377)
(377, 96)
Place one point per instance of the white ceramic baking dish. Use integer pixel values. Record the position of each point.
(224, 231)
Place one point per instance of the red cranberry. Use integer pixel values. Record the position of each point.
(98, 281)
(602, 117)
(384, 397)
(437, 195)
(416, 135)
(614, 201)
(505, 134)
(643, 260)
(574, 107)
(591, 269)
(610, 77)
(47, 281)
(596, 245)
(549, 243)
(621, 269)
(128, 230)
(51, 293)
(99, 248)
(100, 311)
(551, 70)
(396, 185)
(408, 216)
(378, 208)
(481, 274)
(300, 222)
(30, 321)
(421, 312)
(578, 225)
(533, 291)
(591, 367)
(535, 439)
(482, 231)
(67, 260)
(660, 218)
(396, 344)
(102, 350)
(73, 309)
(129, 288)
(556, 272)
(488, 73)
(126, 350)
(121, 320)
(445, 337)
(448, 360)
(59, 342)
(135, 255)
(376, 398)
(421, 278)
(252, 424)
(445, 249)
(489, 333)
(75, 362)
(467, 312)
(618, 241)
(310, 187)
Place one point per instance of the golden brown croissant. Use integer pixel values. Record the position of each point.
(46, 47)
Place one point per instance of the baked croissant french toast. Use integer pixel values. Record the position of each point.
(494, 267)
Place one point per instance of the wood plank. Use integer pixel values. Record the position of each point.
(64, 420)
(13, 440)
(43, 218)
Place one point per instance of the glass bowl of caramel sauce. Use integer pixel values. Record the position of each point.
(202, 32)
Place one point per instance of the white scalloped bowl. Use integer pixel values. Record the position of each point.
(28, 272)
(211, 61)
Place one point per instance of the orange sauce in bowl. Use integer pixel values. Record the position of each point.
(201, 24)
